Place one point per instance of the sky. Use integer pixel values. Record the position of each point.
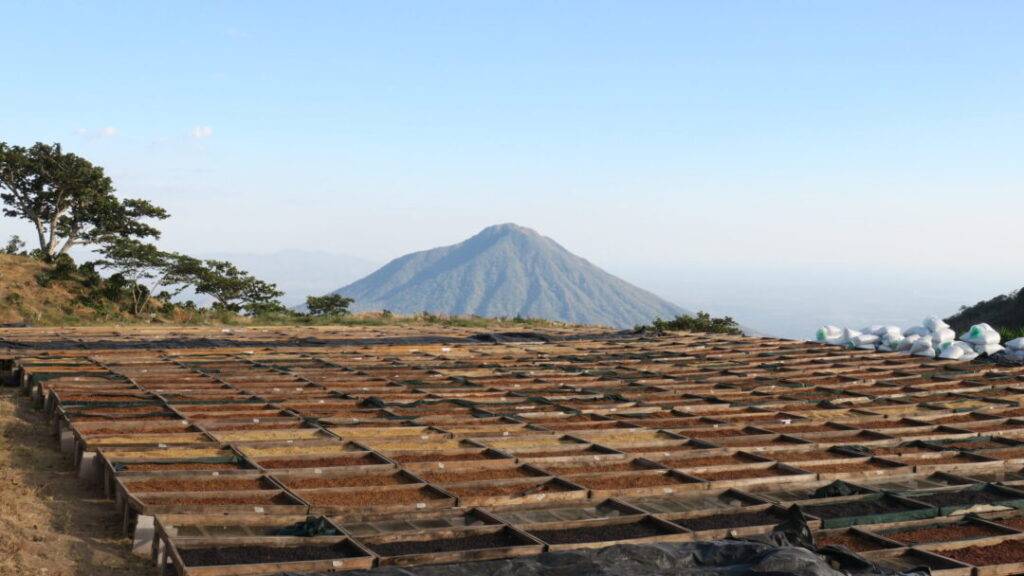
(687, 146)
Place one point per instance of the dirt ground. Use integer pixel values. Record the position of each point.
(49, 523)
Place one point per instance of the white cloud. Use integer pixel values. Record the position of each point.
(96, 134)
(201, 132)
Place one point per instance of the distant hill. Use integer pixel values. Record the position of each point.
(507, 270)
(1004, 312)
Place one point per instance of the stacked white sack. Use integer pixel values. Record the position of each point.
(923, 347)
(983, 338)
(933, 338)
(830, 335)
(1015, 348)
(957, 351)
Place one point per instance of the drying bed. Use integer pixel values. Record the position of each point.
(409, 446)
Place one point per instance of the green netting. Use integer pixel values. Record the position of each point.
(973, 495)
(901, 514)
(941, 444)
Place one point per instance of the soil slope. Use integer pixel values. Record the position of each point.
(49, 523)
(23, 299)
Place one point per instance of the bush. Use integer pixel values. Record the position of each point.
(1008, 334)
(63, 268)
(89, 276)
(329, 305)
(14, 246)
(702, 322)
(269, 308)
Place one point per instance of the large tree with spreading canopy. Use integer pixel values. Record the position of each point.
(70, 201)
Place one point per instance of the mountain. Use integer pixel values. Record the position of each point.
(507, 270)
(301, 273)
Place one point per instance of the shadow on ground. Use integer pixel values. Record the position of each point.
(53, 524)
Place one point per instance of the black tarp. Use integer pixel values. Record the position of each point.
(788, 550)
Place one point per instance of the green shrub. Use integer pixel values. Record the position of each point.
(1008, 334)
(63, 268)
(702, 322)
(328, 305)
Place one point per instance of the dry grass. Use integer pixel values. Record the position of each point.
(50, 525)
(22, 299)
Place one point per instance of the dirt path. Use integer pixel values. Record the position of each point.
(49, 523)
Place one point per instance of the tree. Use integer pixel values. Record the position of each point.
(14, 246)
(702, 322)
(234, 289)
(329, 305)
(69, 200)
(148, 270)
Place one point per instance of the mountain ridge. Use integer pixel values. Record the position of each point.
(507, 270)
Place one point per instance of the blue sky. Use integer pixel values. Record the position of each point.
(650, 137)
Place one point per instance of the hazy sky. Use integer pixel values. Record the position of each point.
(649, 136)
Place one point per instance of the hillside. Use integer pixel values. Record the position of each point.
(33, 292)
(507, 270)
(1004, 312)
(24, 299)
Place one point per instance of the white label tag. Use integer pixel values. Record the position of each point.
(420, 505)
(337, 563)
(216, 473)
(440, 464)
(161, 445)
(668, 490)
(317, 471)
(321, 401)
(255, 420)
(258, 509)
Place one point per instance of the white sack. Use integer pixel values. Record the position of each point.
(917, 331)
(943, 335)
(934, 323)
(981, 334)
(988, 349)
(826, 333)
(923, 347)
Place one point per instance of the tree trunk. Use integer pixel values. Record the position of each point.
(41, 232)
(66, 247)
